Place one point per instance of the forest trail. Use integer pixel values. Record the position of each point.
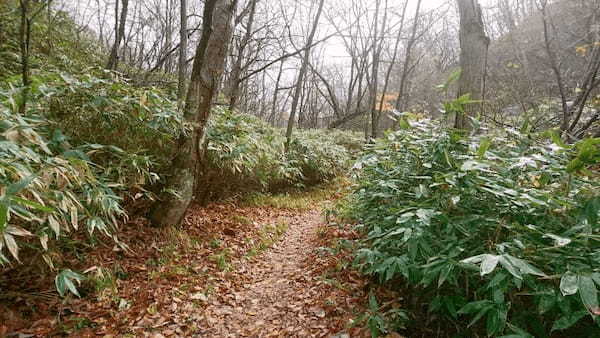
(248, 269)
(278, 294)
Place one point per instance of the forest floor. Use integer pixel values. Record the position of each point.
(264, 267)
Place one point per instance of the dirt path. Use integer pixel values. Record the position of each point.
(229, 271)
(278, 294)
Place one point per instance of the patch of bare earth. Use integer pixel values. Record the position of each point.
(281, 293)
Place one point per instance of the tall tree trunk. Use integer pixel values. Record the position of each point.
(207, 70)
(394, 57)
(27, 18)
(234, 81)
(271, 119)
(113, 59)
(183, 46)
(24, 37)
(301, 75)
(400, 103)
(375, 69)
(473, 59)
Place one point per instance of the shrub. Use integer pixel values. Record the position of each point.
(321, 155)
(48, 189)
(245, 155)
(499, 229)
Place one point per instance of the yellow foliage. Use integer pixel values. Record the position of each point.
(582, 50)
(389, 101)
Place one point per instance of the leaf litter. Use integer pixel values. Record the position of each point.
(201, 280)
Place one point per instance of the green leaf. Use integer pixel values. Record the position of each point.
(488, 264)
(473, 307)
(15, 188)
(485, 144)
(496, 321)
(507, 264)
(3, 216)
(64, 282)
(589, 294)
(32, 204)
(568, 320)
(568, 284)
(373, 305)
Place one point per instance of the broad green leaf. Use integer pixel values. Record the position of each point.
(525, 267)
(496, 321)
(569, 284)
(485, 144)
(64, 282)
(35, 205)
(15, 188)
(507, 264)
(568, 320)
(589, 294)
(489, 263)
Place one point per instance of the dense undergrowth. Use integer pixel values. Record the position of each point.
(93, 148)
(491, 234)
(88, 147)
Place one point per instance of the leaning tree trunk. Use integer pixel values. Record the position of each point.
(473, 59)
(113, 59)
(207, 70)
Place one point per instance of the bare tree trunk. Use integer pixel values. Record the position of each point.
(473, 59)
(113, 59)
(24, 36)
(27, 19)
(394, 57)
(271, 118)
(183, 46)
(234, 81)
(375, 70)
(207, 70)
(301, 74)
(400, 103)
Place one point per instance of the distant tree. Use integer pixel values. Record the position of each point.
(207, 71)
(474, 45)
(120, 22)
(29, 12)
(302, 74)
(236, 71)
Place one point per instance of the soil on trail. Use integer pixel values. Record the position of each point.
(278, 295)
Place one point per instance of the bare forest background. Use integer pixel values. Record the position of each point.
(366, 56)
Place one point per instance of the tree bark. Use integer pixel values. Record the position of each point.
(24, 37)
(113, 59)
(207, 71)
(183, 45)
(301, 74)
(473, 59)
(234, 81)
